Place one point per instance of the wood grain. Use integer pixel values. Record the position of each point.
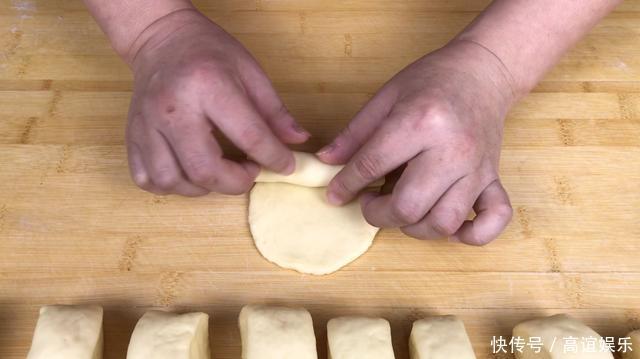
(74, 229)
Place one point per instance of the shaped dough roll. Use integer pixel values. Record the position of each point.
(441, 337)
(310, 172)
(552, 333)
(162, 335)
(276, 333)
(357, 338)
(68, 332)
(634, 353)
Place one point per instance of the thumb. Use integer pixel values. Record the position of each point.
(493, 213)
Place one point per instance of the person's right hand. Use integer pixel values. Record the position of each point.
(192, 78)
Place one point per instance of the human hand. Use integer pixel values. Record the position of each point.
(193, 78)
(443, 117)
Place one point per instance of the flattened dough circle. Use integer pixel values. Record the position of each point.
(294, 227)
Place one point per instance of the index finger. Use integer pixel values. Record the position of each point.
(388, 148)
(236, 116)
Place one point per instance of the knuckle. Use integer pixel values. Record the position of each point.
(165, 178)
(203, 177)
(347, 139)
(439, 113)
(505, 212)
(444, 228)
(202, 69)
(215, 77)
(281, 113)
(406, 212)
(340, 187)
(447, 221)
(200, 171)
(428, 116)
(368, 167)
(197, 75)
(349, 134)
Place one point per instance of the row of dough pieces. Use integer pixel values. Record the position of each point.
(75, 332)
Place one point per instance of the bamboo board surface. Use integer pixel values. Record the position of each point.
(74, 229)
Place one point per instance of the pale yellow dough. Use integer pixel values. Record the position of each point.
(163, 335)
(554, 330)
(276, 333)
(68, 332)
(440, 337)
(295, 227)
(310, 172)
(359, 337)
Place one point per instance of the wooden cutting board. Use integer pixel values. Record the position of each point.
(74, 229)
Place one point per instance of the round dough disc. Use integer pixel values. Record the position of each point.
(294, 227)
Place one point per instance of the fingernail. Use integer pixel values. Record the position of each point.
(326, 149)
(333, 199)
(299, 129)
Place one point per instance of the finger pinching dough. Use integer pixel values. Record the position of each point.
(276, 333)
(553, 333)
(68, 332)
(359, 337)
(440, 337)
(310, 172)
(163, 335)
(295, 227)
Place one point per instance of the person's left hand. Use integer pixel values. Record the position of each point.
(442, 116)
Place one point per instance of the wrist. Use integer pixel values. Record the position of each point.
(520, 85)
(498, 67)
(124, 21)
(481, 70)
(159, 30)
